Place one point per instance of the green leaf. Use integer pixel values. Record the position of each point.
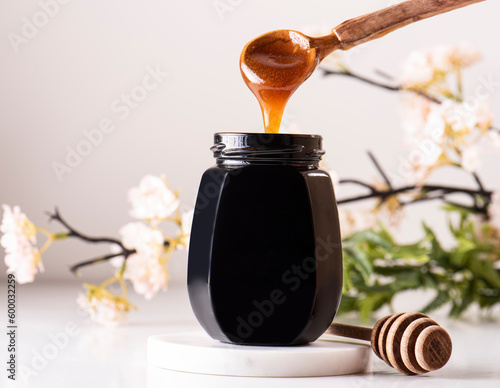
(467, 297)
(484, 269)
(442, 297)
(371, 237)
(360, 261)
(372, 303)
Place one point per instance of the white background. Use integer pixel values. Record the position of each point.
(64, 80)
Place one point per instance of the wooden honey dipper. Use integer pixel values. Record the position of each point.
(410, 342)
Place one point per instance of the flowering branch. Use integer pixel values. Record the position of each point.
(393, 88)
(423, 192)
(72, 232)
(74, 268)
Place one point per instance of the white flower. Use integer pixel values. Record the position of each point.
(152, 199)
(417, 70)
(494, 210)
(103, 310)
(19, 240)
(147, 274)
(471, 158)
(459, 117)
(145, 240)
(484, 116)
(449, 58)
(435, 124)
(146, 269)
(414, 113)
(423, 67)
(186, 225)
(464, 118)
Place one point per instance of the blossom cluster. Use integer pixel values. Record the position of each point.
(441, 122)
(140, 256)
(152, 203)
(19, 241)
(444, 126)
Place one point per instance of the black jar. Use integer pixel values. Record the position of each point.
(265, 257)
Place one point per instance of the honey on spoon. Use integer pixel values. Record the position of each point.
(275, 64)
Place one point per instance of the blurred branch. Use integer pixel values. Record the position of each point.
(393, 88)
(421, 192)
(72, 232)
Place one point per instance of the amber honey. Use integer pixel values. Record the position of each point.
(275, 64)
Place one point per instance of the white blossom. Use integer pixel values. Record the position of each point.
(148, 274)
(435, 123)
(19, 240)
(449, 58)
(471, 158)
(145, 240)
(152, 199)
(103, 310)
(147, 268)
(423, 67)
(463, 118)
(417, 70)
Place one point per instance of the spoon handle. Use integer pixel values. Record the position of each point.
(358, 332)
(379, 23)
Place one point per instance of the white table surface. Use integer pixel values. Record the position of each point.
(116, 357)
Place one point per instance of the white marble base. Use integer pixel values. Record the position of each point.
(196, 352)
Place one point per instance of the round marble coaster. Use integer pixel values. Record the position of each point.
(196, 352)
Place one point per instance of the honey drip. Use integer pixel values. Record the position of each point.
(274, 65)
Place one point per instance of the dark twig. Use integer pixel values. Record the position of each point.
(76, 267)
(393, 88)
(478, 181)
(427, 192)
(359, 183)
(72, 232)
(380, 169)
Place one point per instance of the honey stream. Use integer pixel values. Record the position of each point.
(274, 65)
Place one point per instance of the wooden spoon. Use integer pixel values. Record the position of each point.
(410, 342)
(275, 64)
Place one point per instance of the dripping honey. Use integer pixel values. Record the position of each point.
(274, 65)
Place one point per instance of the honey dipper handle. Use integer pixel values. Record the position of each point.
(376, 24)
(358, 332)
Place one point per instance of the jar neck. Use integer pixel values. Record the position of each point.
(242, 149)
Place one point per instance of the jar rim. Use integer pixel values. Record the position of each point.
(264, 134)
(270, 147)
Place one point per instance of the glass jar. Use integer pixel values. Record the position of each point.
(265, 257)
